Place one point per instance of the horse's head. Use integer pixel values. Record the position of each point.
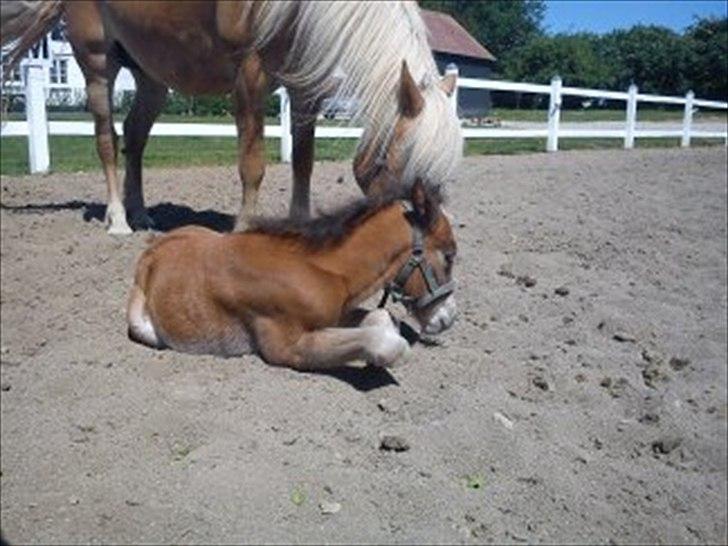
(425, 284)
(425, 140)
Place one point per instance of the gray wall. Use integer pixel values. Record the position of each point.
(471, 102)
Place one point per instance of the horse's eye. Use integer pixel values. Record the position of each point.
(449, 260)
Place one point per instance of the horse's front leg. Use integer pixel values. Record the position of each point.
(148, 102)
(376, 341)
(249, 103)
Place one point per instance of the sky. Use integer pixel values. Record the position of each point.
(601, 16)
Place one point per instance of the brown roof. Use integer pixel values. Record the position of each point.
(447, 36)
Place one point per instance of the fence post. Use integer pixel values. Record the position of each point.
(285, 113)
(631, 117)
(687, 119)
(35, 113)
(552, 143)
(453, 69)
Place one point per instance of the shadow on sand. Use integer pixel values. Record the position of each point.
(166, 216)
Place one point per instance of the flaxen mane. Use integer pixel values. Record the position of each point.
(361, 46)
(329, 228)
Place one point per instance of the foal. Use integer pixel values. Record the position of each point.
(288, 292)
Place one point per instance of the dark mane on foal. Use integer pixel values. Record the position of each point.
(332, 226)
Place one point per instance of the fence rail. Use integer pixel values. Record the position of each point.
(37, 127)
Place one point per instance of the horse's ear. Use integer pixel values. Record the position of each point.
(425, 210)
(448, 83)
(411, 101)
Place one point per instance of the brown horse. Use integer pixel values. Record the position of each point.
(289, 289)
(352, 49)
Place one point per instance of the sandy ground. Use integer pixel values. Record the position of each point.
(589, 407)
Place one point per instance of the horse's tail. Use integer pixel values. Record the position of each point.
(22, 24)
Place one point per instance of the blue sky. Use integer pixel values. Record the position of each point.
(602, 16)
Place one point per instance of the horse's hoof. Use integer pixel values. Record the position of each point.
(142, 221)
(118, 228)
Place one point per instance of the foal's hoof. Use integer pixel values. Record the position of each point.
(393, 350)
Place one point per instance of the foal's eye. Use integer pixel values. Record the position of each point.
(449, 258)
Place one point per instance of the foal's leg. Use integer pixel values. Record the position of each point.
(249, 104)
(377, 341)
(148, 103)
(303, 129)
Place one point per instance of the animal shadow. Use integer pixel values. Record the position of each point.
(166, 216)
(363, 379)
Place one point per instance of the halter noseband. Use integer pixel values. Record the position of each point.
(417, 260)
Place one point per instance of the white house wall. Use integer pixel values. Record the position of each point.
(71, 93)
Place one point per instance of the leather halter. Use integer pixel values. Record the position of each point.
(417, 260)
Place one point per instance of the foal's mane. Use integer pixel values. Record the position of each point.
(331, 227)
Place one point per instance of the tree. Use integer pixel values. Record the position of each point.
(574, 57)
(707, 68)
(500, 25)
(654, 58)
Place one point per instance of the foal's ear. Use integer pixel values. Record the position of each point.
(410, 98)
(425, 210)
(448, 83)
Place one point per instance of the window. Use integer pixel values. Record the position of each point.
(59, 71)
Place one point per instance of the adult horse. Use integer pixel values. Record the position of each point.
(315, 49)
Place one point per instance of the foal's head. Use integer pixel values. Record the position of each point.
(425, 140)
(425, 284)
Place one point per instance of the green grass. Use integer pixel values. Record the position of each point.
(163, 118)
(72, 154)
(535, 145)
(646, 114)
(532, 115)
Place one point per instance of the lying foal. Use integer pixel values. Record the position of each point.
(288, 292)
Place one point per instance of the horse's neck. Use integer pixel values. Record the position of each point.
(372, 255)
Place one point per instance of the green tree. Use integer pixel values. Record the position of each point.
(574, 57)
(500, 25)
(653, 57)
(707, 68)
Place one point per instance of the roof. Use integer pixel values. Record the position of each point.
(447, 36)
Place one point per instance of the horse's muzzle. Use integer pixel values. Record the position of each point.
(440, 318)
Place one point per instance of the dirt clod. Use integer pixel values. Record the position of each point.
(666, 444)
(526, 280)
(678, 364)
(391, 442)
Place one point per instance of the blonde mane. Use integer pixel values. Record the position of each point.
(361, 46)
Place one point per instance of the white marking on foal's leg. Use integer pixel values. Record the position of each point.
(385, 347)
(140, 324)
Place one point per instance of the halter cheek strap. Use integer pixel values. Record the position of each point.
(417, 260)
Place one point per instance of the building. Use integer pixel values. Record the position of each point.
(65, 84)
(452, 44)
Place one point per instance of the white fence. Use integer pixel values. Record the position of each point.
(37, 128)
